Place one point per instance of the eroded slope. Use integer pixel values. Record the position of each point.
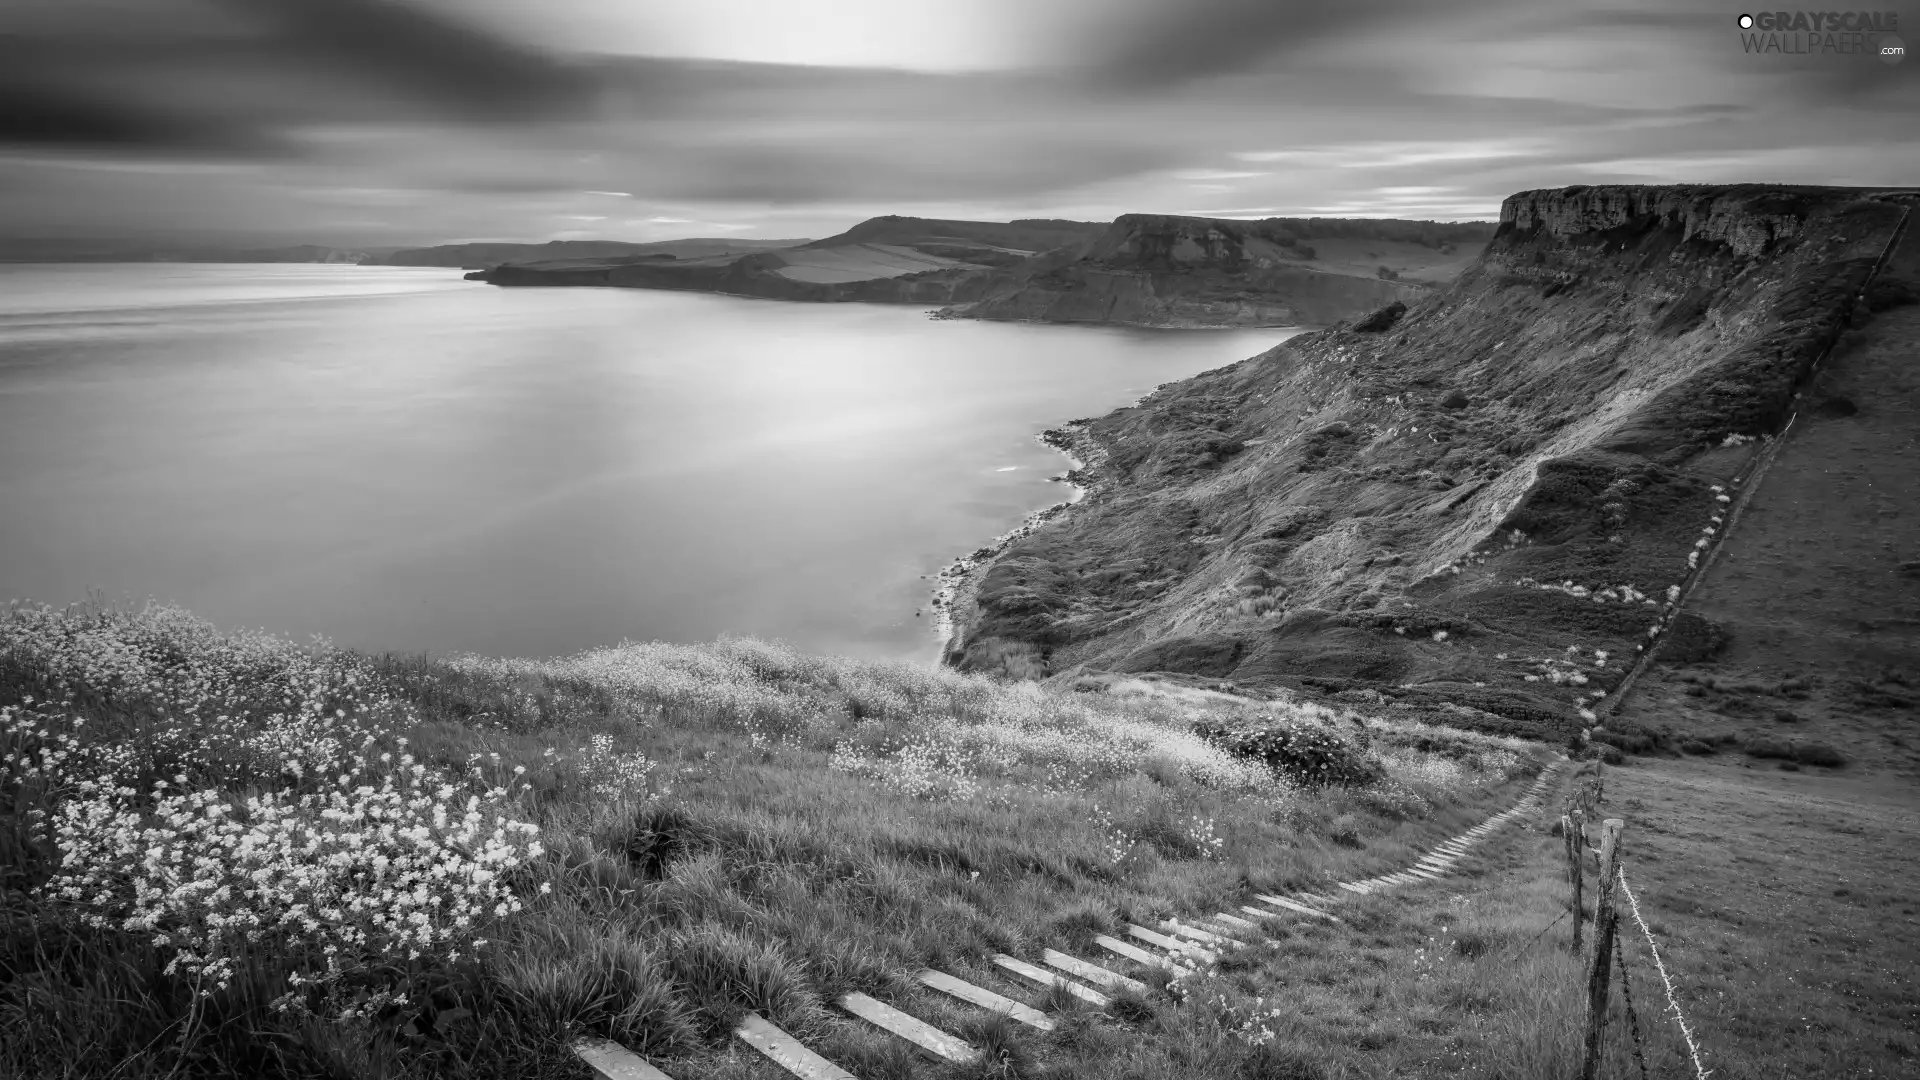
(1463, 506)
(1163, 270)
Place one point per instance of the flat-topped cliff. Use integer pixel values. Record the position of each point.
(1469, 499)
(1166, 270)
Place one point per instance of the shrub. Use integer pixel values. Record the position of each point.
(1695, 746)
(1762, 747)
(1806, 753)
(1307, 753)
(1633, 742)
(1820, 754)
(1381, 320)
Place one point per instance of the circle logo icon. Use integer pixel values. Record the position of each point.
(1892, 50)
(1746, 22)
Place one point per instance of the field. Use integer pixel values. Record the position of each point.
(859, 262)
(1413, 262)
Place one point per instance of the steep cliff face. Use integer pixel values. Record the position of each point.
(1161, 270)
(1468, 504)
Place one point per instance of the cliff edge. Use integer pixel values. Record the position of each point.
(1476, 501)
(1164, 270)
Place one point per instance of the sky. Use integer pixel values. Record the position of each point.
(381, 122)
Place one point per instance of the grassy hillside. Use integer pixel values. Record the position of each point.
(1029, 235)
(1476, 503)
(228, 854)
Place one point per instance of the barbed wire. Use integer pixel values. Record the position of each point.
(1673, 1001)
(1541, 934)
(1633, 1018)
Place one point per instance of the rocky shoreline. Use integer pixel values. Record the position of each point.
(958, 582)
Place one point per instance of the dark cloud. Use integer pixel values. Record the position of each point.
(53, 116)
(416, 51)
(1156, 44)
(235, 77)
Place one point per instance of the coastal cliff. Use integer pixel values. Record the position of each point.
(1162, 270)
(1140, 270)
(755, 275)
(1476, 498)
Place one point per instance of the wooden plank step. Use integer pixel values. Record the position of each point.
(985, 998)
(1317, 898)
(786, 1051)
(1091, 972)
(1136, 954)
(1219, 929)
(1231, 919)
(1047, 978)
(911, 1028)
(1295, 906)
(1181, 949)
(1180, 929)
(1361, 889)
(612, 1061)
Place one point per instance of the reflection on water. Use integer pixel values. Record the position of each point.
(397, 458)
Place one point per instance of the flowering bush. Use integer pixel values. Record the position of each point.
(1201, 834)
(614, 776)
(373, 870)
(168, 694)
(231, 796)
(920, 770)
(1309, 754)
(1115, 844)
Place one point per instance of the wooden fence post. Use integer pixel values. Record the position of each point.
(1576, 831)
(1599, 975)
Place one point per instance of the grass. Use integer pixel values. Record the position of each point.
(1783, 903)
(720, 829)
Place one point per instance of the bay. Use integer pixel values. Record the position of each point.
(399, 459)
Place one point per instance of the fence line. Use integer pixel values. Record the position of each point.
(1744, 484)
(1633, 1016)
(1673, 1002)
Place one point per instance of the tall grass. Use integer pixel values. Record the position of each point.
(230, 853)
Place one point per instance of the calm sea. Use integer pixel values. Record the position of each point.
(399, 459)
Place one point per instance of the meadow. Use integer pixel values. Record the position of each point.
(233, 854)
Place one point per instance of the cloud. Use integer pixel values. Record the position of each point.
(422, 53)
(421, 120)
(1141, 45)
(228, 76)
